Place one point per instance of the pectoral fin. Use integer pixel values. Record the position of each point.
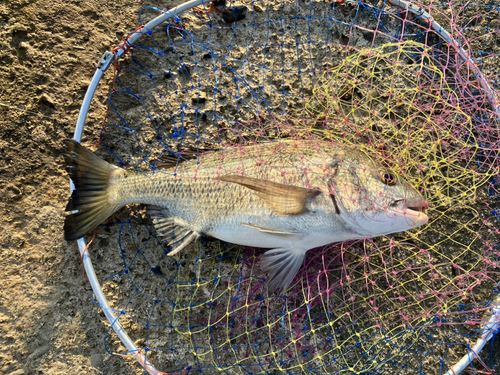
(281, 199)
(282, 265)
(172, 229)
(270, 231)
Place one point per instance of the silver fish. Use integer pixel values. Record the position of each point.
(290, 196)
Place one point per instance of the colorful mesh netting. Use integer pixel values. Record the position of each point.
(367, 75)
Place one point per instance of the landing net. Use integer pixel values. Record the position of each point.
(413, 86)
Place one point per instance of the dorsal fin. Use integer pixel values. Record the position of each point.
(173, 159)
(281, 199)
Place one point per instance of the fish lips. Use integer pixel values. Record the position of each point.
(415, 210)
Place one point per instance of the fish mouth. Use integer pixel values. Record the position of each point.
(419, 205)
(416, 208)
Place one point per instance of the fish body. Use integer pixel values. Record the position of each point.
(290, 196)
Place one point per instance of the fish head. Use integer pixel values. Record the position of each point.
(374, 200)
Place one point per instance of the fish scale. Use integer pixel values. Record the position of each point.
(290, 196)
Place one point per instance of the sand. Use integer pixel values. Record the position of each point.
(48, 53)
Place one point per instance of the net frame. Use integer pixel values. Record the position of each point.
(173, 15)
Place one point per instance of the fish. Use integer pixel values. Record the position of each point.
(289, 196)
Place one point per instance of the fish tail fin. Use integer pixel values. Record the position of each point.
(91, 177)
(282, 265)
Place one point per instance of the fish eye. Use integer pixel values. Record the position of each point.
(388, 179)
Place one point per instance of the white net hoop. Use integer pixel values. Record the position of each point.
(489, 326)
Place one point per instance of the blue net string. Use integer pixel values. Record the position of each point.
(401, 304)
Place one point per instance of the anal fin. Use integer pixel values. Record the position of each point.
(172, 229)
(180, 245)
(282, 265)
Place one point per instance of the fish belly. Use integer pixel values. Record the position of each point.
(247, 236)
